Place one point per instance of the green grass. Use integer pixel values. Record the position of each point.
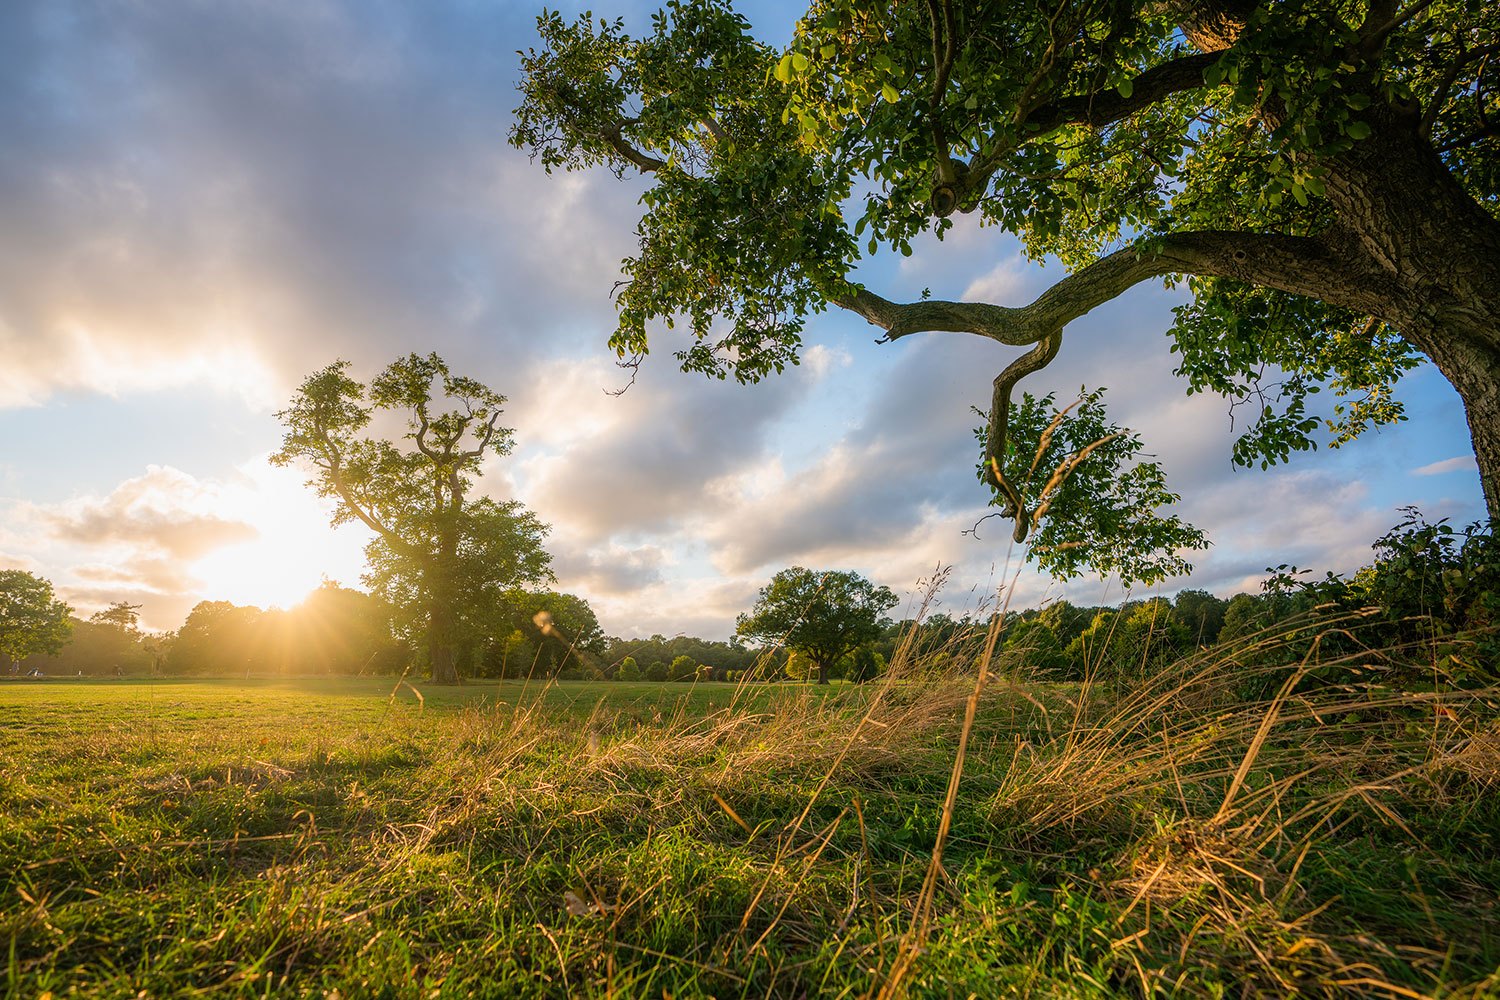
(315, 838)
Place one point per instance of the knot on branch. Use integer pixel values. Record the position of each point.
(951, 188)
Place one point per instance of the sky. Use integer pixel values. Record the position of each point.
(203, 203)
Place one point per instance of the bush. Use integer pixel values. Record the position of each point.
(657, 671)
(629, 670)
(1436, 597)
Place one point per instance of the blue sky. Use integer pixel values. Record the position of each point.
(205, 202)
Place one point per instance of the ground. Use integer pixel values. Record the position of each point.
(319, 837)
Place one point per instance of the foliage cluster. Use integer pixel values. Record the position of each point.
(32, 619)
(1429, 585)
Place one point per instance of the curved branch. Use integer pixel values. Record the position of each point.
(1301, 265)
(1384, 19)
(1033, 360)
(484, 437)
(364, 515)
(644, 162)
(1321, 268)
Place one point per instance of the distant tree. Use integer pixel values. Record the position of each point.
(798, 667)
(439, 556)
(511, 655)
(564, 627)
(1152, 633)
(1201, 614)
(681, 669)
(822, 614)
(719, 655)
(863, 665)
(657, 671)
(32, 619)
(629, 670)
(120, 615)
(218, 638)
(110, 641)
(340, 630)
(1245, 614)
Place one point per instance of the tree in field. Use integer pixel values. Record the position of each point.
(565, 628)
(440, 556)
(1324, 177)
(119, 626)
(120, 615)
(681, 668)
(822, 615)
(32, 619)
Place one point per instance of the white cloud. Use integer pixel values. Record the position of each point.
(1007, 283)
(1461, 463)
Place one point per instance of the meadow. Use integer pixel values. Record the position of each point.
(331, 837)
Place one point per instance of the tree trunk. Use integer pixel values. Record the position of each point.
(822, 671)
(1473, 368)
(1410, 216)
(440, 643)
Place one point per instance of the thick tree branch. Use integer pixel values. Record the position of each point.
(1446, 81)
(1329, 268)
(1301, 265)
(363, 512)
(1106, 107)
(1382, 20)
(644, 162)
(484, 437)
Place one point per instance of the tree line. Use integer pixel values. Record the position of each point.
(1430, 586)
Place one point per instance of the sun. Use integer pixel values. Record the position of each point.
(258, 573)
(293, 551)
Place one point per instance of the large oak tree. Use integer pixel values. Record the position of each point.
(440, 554)
(1323, 174)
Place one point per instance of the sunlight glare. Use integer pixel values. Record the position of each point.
(295, 548)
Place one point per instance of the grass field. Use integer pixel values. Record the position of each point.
(316, 838)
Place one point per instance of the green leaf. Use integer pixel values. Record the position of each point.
(799, 62)
(1126, 87)
(784, 69)
(1357, 130)
(891, 94)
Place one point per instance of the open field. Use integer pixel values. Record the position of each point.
(311, 838)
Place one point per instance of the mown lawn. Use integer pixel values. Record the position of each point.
(317, 838)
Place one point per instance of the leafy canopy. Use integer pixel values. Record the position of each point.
(1128, 140)
(824, 615)
(32, 619)
(439, 555)
(1092, 503)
